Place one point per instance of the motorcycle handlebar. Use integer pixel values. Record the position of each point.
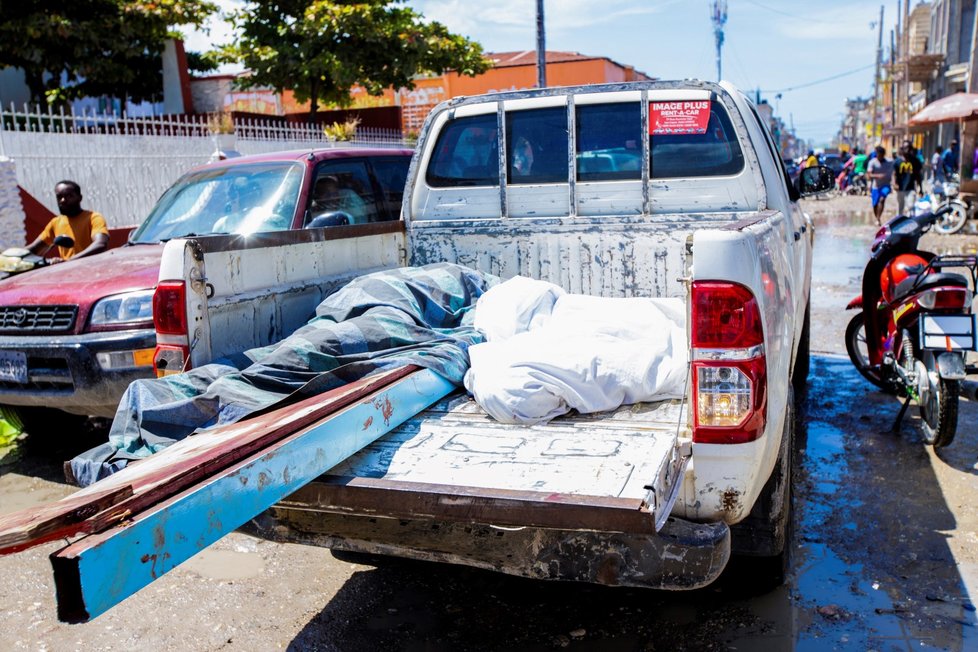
(923, 221)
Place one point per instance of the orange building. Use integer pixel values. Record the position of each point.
(510, 71)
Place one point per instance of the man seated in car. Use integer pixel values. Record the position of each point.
(329, 196)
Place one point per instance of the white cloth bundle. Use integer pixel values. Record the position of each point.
(545, 357)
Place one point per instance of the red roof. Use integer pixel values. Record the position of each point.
(529, 58)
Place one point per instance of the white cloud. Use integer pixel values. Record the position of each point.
(834, 24)
(507, 18)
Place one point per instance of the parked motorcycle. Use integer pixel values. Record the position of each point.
(958, 214)
(961, 205)
(915, 324)
(17, 260)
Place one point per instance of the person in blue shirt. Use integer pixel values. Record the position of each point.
(951, 159)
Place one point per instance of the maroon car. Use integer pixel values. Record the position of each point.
(74, 335)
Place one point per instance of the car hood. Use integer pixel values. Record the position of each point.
(84, 281)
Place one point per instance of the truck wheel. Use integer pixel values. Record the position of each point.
(761, 542)
(803, 359)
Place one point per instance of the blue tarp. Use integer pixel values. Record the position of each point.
(416, 315)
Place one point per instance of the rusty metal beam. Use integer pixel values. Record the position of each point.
(412, 500)
(99, 571)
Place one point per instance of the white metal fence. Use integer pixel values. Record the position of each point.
(123, 164)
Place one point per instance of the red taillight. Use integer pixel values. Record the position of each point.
(945, 298)
(729, 364)
(725, 315)
(170, 308)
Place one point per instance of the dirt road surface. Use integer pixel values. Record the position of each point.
(884, 556)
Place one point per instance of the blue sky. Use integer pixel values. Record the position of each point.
(769, 44)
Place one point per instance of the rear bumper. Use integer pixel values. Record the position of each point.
(508, 532)
(63, 371)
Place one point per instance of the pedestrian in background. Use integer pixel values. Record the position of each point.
(951, 159)
(907, 175)
(937, 171)
(880, 172)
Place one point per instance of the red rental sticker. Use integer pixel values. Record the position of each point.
(684, 117)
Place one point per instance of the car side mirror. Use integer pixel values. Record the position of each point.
(815, 180)
(333, 218)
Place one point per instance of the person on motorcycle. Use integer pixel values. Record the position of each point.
(842, 181)
(857, 180)
(907, 175)
(86, 228)
(880, 172)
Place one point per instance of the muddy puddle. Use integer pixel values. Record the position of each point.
(872, 567)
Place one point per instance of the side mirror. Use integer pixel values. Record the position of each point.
(333, 218)
(816, 180)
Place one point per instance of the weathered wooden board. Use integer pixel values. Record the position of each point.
(168, 472)
(98, 571)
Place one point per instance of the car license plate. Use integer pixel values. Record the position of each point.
(947, 332)
(13, 366)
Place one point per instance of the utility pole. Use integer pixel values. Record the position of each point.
(541, 48)
(719, 19)
(893, 93)
(876, 81)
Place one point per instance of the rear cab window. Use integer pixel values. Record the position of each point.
(536, 146)
(688, 136)
(466, 153)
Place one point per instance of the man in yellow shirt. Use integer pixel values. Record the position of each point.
(86, 228)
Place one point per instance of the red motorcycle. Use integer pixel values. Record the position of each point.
(915, 324)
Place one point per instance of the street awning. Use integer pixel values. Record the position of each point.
(960, 106)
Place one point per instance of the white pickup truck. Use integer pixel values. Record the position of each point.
(651, 189)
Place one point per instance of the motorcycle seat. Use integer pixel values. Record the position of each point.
(921, 282)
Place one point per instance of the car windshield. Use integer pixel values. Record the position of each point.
(243, 199)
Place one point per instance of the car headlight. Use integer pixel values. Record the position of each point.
(128, 308)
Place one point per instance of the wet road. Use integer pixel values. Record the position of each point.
(885, 552)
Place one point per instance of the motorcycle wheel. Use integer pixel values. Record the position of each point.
(859, 354)
(953, 221)
(938, 403)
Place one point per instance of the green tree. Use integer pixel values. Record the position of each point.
(320, 49)
(79, 48)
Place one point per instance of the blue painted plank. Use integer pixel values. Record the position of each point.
(95, 573)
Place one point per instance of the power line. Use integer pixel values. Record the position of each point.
(823, 80)
(789, 15)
